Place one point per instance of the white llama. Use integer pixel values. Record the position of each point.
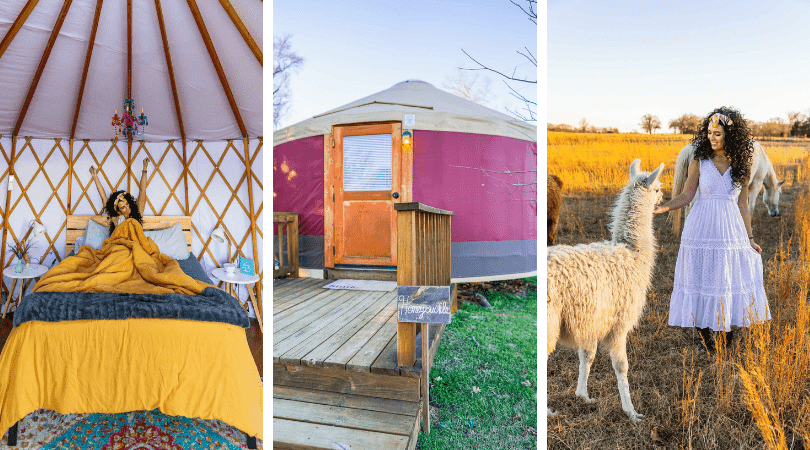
(597, 291)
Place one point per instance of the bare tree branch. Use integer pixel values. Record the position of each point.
(531, 115)
(530, 57)
(285, 62)
(483, 67)
(530, 107)
(531, 13)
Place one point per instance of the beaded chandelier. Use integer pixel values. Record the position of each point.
(128, 124)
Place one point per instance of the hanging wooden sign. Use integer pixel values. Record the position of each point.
(424, 304)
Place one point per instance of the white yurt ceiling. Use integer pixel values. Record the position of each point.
(201, 80)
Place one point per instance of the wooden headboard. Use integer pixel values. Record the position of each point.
(77, 224)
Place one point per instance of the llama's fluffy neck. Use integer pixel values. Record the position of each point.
(633, 218)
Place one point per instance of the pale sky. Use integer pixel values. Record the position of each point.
(612, 62)
(357, 48)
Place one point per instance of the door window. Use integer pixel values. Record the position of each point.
(367, 163)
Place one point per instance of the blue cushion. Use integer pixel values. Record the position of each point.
(95, 234)
(170, 241)
(192, 267)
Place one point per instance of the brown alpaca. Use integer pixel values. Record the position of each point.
(553, 206)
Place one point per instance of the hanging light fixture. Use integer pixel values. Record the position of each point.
(128, 124)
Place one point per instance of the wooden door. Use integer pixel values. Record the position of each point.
(367, 179)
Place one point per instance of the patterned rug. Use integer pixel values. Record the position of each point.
(137, 430)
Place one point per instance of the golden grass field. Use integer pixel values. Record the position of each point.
(755, 394)
(598, 162)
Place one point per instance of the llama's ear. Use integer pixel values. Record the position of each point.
(635, 168)
(653, 176)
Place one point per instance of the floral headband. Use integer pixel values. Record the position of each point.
(119, 198)
(719, 118)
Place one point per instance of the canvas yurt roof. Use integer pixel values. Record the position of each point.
(435, 110)
(194, 66)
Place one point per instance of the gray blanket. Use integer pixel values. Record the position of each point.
(213, 305)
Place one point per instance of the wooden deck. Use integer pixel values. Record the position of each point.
(336, 383)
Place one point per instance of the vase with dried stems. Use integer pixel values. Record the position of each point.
(21, 250)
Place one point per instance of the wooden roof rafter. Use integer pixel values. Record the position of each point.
(171, 70)
(18, 23)
(237, 22)
(86, 68)
(42, 62)
(212, 53)
(129, 52)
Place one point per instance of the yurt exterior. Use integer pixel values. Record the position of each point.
(342, 171)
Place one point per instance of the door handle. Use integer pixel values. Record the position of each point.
(395, 195)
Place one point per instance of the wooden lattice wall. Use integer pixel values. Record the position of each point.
(206, 180)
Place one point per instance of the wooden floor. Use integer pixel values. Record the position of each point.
(336, 383)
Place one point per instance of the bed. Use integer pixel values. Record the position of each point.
(188, 367)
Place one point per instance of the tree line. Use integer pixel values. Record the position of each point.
(584, 127)
(796, 125)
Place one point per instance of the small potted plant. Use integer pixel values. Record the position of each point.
(20, 250)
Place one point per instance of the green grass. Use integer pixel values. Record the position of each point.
(494, 350)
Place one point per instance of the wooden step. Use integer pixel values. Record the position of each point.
(309, 419)
(361, 274)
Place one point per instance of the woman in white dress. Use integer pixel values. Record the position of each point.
(121, 205)
(718, 275)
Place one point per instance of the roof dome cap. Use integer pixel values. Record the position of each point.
(413, 81)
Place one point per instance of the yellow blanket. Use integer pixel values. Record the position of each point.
(127, 262)
(114, 366)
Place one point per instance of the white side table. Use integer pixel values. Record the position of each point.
(240, 278)
(32, 271)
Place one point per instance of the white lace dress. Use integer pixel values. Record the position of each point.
(718, 275)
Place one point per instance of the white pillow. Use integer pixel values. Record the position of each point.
(170, 241)
(95, 234)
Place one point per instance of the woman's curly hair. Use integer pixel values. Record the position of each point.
(134, 213)
(738, 145)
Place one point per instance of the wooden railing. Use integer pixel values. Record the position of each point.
(287, 265)
(423, 259)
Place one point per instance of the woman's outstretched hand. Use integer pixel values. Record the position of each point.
(661, 209)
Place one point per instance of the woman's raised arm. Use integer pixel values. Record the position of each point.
(100, 188)
(142, 188)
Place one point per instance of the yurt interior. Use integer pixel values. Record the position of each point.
(161, 99)
(411, 186)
